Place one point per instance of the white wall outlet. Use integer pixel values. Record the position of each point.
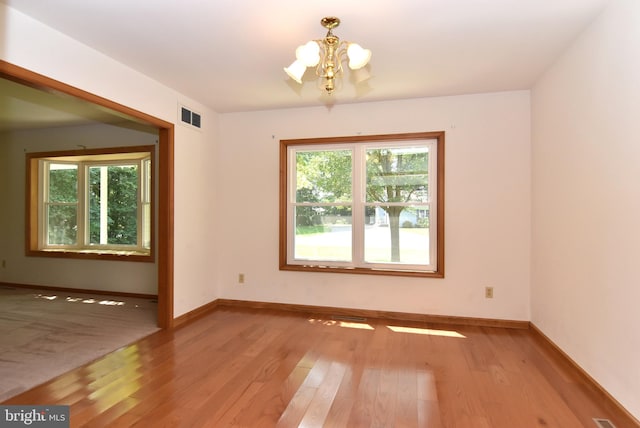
(240, 278)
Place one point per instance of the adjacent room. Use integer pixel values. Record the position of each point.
(60, 312)
(500, 234)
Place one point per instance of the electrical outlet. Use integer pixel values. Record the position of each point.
(488, 292)
(4, 264)
(240, 278)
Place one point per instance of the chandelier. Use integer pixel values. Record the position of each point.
(326, 55)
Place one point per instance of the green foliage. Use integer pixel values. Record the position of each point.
(310, 230)
(305, 215)
(63, 225)
(122, 205)
(423, 223)
(326, 175)
(63, 184)
(62, 210)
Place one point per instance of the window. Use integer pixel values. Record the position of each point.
(372, 204)
(91, 203)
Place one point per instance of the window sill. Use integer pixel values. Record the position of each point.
(363, 271)
(122, 256)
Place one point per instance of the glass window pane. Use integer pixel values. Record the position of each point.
(63, 183)
(397, 235)
(323, 233)
(323, 176)
(146, 181)
(113, 205)
(146, 233)
(397, 174)
(62, 224)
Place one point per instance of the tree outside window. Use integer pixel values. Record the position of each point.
(113, 204)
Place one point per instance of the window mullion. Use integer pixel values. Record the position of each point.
(141, 200)
(357, 204)
(82, 206)
(43, 206)
(433, 198)
(104, 204)
(291, 192)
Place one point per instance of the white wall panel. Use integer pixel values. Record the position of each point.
(586, 202)
(487, 206)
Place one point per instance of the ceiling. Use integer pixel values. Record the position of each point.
(230, 54)
(23, 107)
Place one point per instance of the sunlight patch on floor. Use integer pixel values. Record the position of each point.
(396, 329)
(345, 324)
(83, 300)
(426, 331)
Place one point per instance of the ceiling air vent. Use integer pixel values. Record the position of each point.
(189, 117)
(603, 423)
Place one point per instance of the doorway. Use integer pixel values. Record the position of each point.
(164, 236)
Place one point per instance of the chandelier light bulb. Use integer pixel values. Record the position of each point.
(296, 70)
(309, 54)
(358, 57)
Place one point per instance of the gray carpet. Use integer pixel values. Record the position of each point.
(46, 333)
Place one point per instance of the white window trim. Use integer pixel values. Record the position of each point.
(83, 245)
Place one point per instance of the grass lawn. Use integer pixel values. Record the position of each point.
(335, 245)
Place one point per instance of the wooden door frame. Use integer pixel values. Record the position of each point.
(165, 230)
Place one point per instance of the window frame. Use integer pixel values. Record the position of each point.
(35, 202)
(287, 221)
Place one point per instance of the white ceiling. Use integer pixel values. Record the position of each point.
(23, 107)
(230, 54)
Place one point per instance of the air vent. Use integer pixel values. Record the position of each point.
(603, 423)
(189, 117)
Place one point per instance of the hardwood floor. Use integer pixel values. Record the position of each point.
(264, 368)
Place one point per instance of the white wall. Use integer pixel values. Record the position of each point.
(103, 275)
(34, 46)
(586, 202)
(487, 206)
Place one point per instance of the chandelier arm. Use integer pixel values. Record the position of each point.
(341, 50)
(323, 54)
